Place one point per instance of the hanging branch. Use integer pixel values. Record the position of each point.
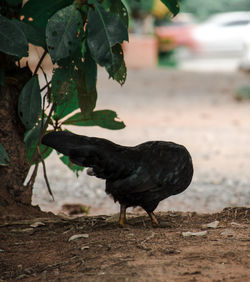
(40, 62)
(45, 174)
(45, 86)
(33, 176)
(43, 129)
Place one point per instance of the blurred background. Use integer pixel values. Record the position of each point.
(188, 82)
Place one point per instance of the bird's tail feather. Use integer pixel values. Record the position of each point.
(86, 155)
(102, 155)
(79, 148)
(64, 141)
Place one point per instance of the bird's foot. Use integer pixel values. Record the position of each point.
(122, 218)
(122, 224)
(153, 218)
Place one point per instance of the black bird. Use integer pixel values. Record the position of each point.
(142, 175)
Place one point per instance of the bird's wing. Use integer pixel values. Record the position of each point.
(135, 182)
(155, 176)
(105, 157)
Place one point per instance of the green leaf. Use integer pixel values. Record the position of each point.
(90, 69)
(1, 77)
(32, 135)
(107, 119)
(64, 93)
(86, 85)
(45, 151)
(31, 140)
(119, 8)
(75, 78)
(73, 61)
(140, 6)
(67, 107)
(14, 2)
(38, 12)
(4, 158)
(118, 70)
(33, 35)
(78, 119)
(102, 118)
(29, 103)
(61, 85)
(86, 99)
(13, 40)
(63, 33)
(173, 6)
(75, 168)
(104, 30)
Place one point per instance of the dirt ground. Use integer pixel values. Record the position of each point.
(43, 249)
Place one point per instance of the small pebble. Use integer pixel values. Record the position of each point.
(236, 224)
(36, 224)
(188, 234)
(77, 236)
(213, 224)
(228, 233)
(84, 247)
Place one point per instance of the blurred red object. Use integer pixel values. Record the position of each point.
(141, 51)
(177, 33)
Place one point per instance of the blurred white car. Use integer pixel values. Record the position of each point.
(222, 33)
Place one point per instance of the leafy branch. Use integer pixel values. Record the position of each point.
(77, 35)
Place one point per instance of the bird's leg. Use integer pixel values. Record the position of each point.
(122, 217)
(153, 218)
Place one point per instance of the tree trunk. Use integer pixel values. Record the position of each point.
(12, 177)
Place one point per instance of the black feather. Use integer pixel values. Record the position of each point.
(135, 176)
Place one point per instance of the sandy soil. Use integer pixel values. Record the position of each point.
(43, 249)
(196, 109)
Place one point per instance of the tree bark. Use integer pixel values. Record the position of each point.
(12, 177)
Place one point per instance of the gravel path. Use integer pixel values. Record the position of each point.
(194, 109)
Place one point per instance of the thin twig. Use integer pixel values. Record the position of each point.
(42, 133)
(44, 74)
(46, 96)
(43, 109)
(46, 179)
(42, 121)
(45, 86)
(47, 121)
(40, 62)
(47, 83)
(45, 174)
(33, 176)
